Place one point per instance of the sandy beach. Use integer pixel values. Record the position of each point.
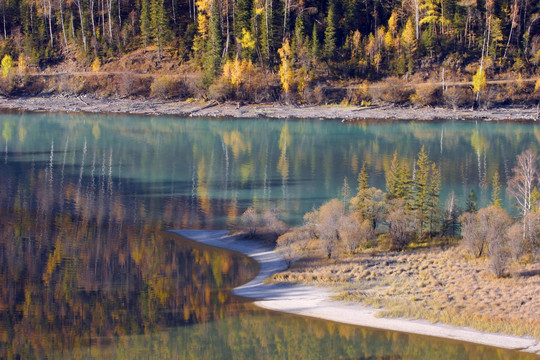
(315, 301)
(86, 104)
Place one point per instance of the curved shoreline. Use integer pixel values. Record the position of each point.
(84, 104)
(315, 301)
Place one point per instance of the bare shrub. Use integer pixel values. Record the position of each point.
(313, 94)
(272, 223)
(250, 221)
(401, 226)
(523, 236)
(516, 242)
(483, 229)
(292, 245)
(426, 94)
(31, 85)
(329, 218)
(498, 256)
(167, 87)
(195, 86)
(455, 97)
(310, 223)
(374, 92)
(489, 96)
(7, 86)
(396, 91)
(358, 95)
(130, 84)
(473, 236)
(352, 232)
(221, 90)
(91, 84)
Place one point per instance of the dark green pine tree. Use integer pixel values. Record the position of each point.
(243, 14)
(146, 27)
(159, 24)
(329, 47)
(315, 50)
(214, 45)
(363, 178)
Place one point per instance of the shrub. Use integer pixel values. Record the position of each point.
(167, 87)
(426, 94)
(250, 221)
(313, 94)
(272, 223)
(401, 226)
(290, 246)
(498, 257)
(133, 85)
(455, 97)
(395, 91)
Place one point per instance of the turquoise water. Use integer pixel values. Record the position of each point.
(87, 272)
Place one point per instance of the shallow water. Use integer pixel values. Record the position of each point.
(86, 271)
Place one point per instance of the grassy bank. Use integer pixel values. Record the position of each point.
(440, 285)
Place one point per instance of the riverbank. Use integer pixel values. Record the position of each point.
(83, 104)
(316, 301)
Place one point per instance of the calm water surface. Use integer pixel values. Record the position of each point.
(87, 272)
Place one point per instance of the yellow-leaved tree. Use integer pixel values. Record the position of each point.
(285, 68)
(238, 72)
(479, 81)
(408, 41)
(7, 65)
(96, 64)
(247, 42)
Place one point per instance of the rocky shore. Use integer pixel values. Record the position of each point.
(86, 104)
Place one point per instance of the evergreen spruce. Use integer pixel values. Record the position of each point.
(392, 178)
(146, 28)
(330, 34)
(363, 178)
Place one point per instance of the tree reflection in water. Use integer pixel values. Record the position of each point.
(86, 272)
(80, 264)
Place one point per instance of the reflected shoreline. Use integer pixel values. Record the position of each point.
(315, 301)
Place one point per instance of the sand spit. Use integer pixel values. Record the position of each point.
(87, 104)
(315, 301)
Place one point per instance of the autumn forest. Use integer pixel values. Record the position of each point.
(259, 50)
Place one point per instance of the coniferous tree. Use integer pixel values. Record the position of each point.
(214, 44)
(159, 24)
(330, 34)
(363, 178)
(315, 43)
(146, 27)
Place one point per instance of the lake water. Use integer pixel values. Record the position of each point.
(87, 272)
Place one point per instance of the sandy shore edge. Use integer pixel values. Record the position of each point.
(315, 301)
(86, 104)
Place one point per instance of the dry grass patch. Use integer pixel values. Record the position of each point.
(437, 285)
